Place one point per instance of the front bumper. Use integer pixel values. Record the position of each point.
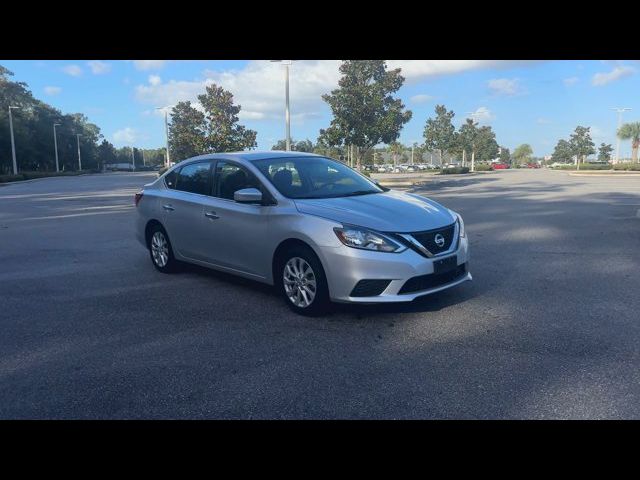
(345, 267)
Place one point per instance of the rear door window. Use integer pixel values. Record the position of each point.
(194, 178)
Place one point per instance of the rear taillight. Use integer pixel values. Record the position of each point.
(138, 197)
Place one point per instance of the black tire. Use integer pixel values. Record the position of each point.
(320, 303)
(171, 264)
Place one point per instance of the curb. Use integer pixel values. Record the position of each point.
(625, 174)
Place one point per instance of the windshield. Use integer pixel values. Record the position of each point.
(314, 177)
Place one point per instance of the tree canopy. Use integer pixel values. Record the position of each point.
(365, 112)
(581, 143)
(439, 133)
(563, 152)
(211, 128)
(301, 146)
(522, 153)
(33, 132)
(604, 152)
(631, 131)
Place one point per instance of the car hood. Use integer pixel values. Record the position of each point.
(390, 211)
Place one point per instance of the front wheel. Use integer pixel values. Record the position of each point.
(302, 282)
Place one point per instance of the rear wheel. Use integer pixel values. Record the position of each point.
(160, 250)
(302, 281)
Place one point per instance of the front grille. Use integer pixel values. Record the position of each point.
(369, 288)
(428, 239)
(425, 282)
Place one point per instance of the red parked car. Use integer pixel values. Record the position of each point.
(499, 166)
(533, 165)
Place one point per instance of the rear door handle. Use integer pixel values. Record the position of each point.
(211, 215)
(168, 207)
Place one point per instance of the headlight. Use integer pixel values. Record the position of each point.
(357, 237)
(461, 223)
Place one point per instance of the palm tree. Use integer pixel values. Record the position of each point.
(631, 131)
(395, 148)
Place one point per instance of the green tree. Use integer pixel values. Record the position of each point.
(581, 143)
(214, 129)
(305, 146)
(467, 134)
(396, 149)
(631, 131)
(186, 132)
(418, 153)
(487, 147)
(505, 155)
(365, 112)
(563, 152)
(301, 146)
(604, 152)
(222, 131)
(522, 153)
(439, 133)
(107, 153)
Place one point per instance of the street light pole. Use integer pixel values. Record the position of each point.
(287, 115)
(166, 129)
(55, 143)
(620, 111)
(79, 159)
(13, 143)
(473, 149)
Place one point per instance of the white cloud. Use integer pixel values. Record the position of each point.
(258, 88)
(505, 86)
(570, 81)
(155, 80)
(420, 98)
(73, 70)
(52, 90)
(149, 64)
(543, 121)
(126, 136)
(419, 69)
(481, 115)
(98, 67)
(603, 78)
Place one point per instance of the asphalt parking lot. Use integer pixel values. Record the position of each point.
(549, 328)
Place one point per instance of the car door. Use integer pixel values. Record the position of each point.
(236, 233)
(183, 208)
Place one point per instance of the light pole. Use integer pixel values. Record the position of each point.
(166, 129)
(287, 116)
(79, 159)
(55, 144)
(473, 149)
(620, 111)
(13, 143)
(133, 158)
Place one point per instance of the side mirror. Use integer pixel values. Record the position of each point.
(248, 195)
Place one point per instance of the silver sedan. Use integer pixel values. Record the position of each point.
(313, 227)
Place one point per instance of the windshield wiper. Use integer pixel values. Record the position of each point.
(359, 192)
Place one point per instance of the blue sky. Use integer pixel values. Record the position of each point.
(535, 102)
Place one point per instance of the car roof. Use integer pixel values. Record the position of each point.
(252, 156)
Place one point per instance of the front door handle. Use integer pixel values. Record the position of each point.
(211, 215)
(168, 207)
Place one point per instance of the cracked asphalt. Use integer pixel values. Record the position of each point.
(549, 328)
